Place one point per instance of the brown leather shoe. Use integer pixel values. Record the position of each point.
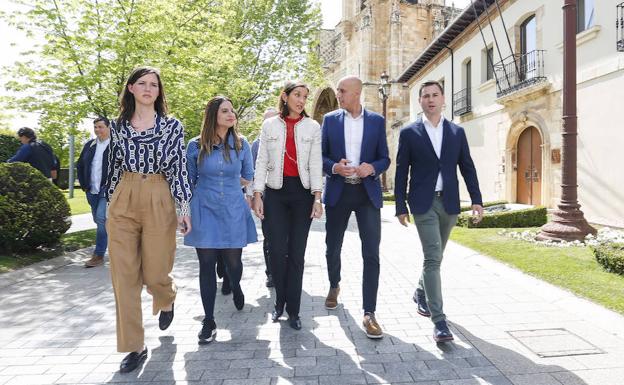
(331, 302)
(371, 327)
(95, 260)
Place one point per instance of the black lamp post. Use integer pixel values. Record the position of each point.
(384, 90)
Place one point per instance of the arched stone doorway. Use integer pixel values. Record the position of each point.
(529, 167)
(325, 102)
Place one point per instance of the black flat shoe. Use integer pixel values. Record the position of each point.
(132, 361)
(295, 323)
(165, 319)
(239, 301)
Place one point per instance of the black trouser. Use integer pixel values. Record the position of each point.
(355, 198)
(207, 274)
(265, 250)
(287, 216)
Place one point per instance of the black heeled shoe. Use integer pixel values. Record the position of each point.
(165, 319)
(239, 300)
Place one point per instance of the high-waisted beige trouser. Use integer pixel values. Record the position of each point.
(141, 226)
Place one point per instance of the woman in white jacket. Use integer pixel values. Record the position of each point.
(289, 174)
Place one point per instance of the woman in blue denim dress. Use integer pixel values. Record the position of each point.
(219, 161)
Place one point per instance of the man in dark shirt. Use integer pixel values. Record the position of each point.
(35, 152)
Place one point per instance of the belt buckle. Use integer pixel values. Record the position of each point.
(438, 193)
(353, 180)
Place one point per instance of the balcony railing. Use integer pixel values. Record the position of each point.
(519, 71)
(462, 103)
(619, 27)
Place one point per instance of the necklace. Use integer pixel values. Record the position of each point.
(286, 148)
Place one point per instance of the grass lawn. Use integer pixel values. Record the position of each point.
(572, 268)
(78, 204)
(69, 242)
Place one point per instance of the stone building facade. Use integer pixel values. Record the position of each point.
(376, 36)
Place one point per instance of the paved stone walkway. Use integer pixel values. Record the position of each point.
(58, 326)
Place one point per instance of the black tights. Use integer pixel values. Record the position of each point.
(208, 278)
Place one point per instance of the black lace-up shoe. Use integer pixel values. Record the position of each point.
(208, 332)
(421, 301)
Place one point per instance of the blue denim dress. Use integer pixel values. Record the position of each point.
(220, 216)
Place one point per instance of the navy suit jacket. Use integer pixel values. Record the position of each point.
(84, 165)
(417, 158)
(374, 151)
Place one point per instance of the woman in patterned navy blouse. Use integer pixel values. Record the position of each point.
(147, 183)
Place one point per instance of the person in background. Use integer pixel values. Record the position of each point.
(93, 168)
(35, 152)
(268, 113)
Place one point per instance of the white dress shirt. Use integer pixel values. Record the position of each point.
(353, 134)
(96, 165)
(436, 134)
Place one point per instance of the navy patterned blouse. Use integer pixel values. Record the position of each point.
(157, 150)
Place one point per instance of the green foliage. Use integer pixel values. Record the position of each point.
(535, 216)
(485, 204)
(241, 48)
(610, 256)
(33, 212)
(8, 146)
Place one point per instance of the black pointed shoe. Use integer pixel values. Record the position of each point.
(239, 300)
(132, 361)
(295, 323)
(165, 318)
(421, 302)
(208, 332)
(441, 332)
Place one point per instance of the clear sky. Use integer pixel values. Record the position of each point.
(332, 10)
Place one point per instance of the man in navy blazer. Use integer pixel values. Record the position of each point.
(430, 150)
(92, 168)
(355, 154)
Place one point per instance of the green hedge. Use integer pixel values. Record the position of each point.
(33, 212)
(610, 256)
(485, 204)
(8, 146)
(532, 217)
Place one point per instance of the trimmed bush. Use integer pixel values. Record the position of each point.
(485, 204)
(8, 146)
(33, 212)
(532, 217)
(610, 256)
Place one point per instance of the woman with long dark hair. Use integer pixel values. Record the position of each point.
(218, 160)
(147, 183)
(289, 174)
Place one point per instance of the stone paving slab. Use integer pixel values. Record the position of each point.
(58, 325)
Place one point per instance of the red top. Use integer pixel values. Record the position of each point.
(290, 156)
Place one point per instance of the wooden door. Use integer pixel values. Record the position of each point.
(529, 171)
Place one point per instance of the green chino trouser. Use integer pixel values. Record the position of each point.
(434, 228)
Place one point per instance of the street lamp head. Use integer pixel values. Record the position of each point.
(384, 78)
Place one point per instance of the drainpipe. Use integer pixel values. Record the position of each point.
(452, 83)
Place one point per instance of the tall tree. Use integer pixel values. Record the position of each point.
(240, 48)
